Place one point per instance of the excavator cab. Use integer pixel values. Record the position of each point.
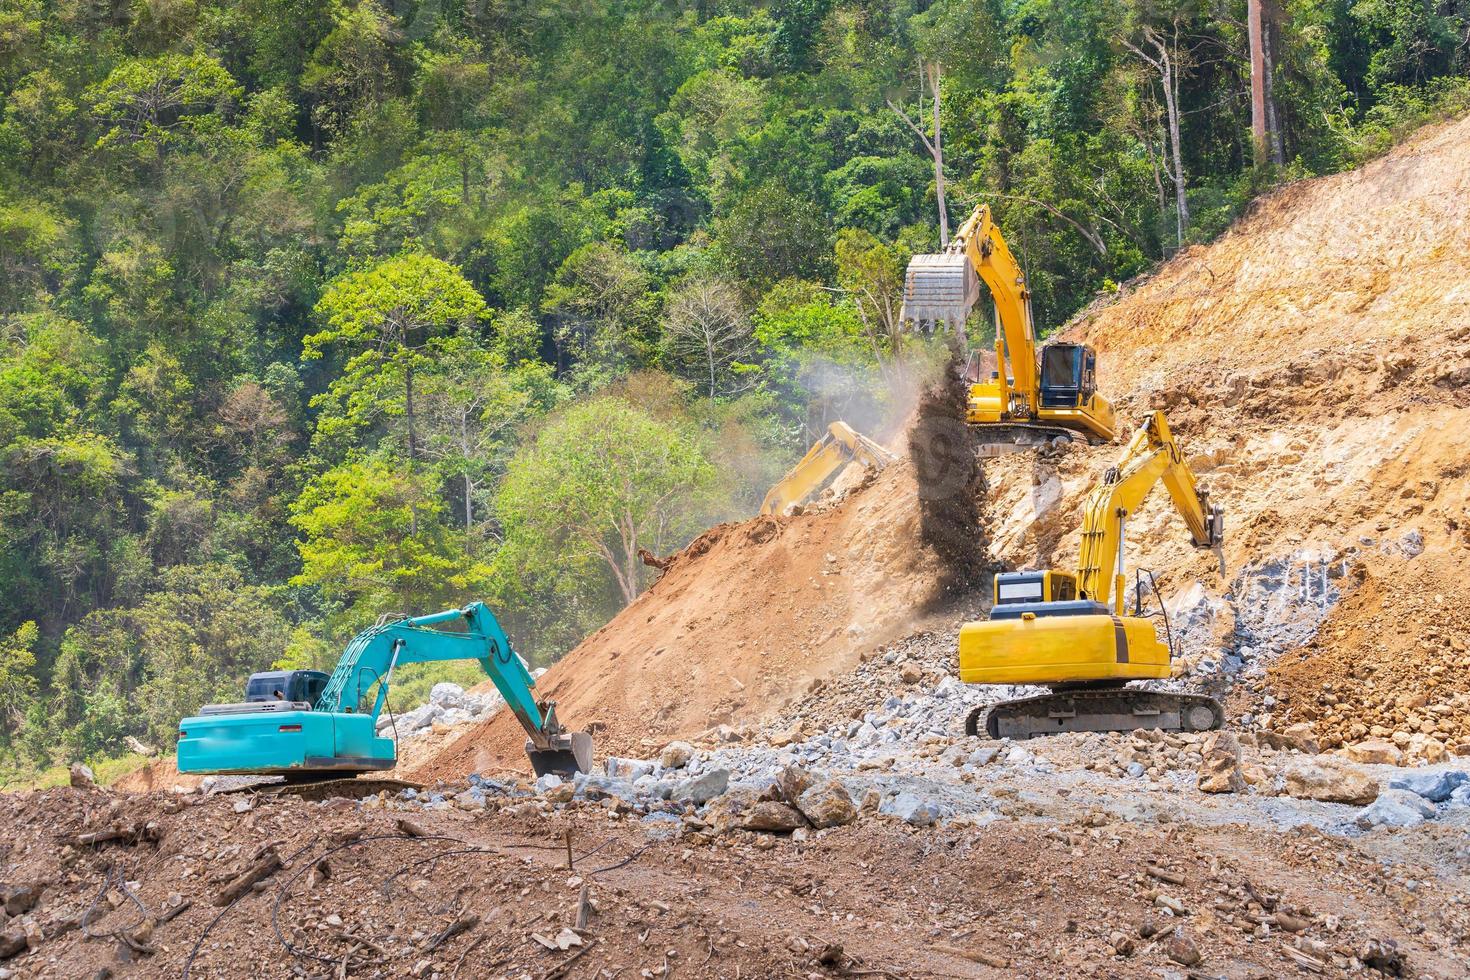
(1068, 375)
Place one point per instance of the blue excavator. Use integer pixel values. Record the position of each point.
(306, 725)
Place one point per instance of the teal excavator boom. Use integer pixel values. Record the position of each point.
(306, 724)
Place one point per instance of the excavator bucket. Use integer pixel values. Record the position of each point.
(566, 755)
(939, 291)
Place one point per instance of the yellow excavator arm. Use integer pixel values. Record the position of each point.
(840, 445)
(1152, 456)
(943, 288)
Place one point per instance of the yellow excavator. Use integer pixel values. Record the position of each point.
(840, 444)
(1069, 631)
(1031, 398)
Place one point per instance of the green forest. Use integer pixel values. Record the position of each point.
(318, 311)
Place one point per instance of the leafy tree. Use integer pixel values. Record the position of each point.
(138, 671)
(17, 680)
(601, 481)
(153, 104)
(371, 542)
(603, 307)
(770, 235)
(385, 314)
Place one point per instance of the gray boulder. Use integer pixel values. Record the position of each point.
(1433, 786)
(1395, 808)
(447, 695)
(702, 789)
(911, 809)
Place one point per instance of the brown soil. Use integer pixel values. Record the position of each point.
(1414, 680)
(1031, 902)
(743, 620)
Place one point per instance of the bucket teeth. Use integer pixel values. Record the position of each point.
(939, 291)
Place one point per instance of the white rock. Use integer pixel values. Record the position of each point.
(1395, 808)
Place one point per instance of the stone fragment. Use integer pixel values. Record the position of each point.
(82, 776)
(676, 755)
(911, 674)
(1182, 949)
(792, 781)
(1220, 769)
(629, 769)
(771, 817)
(827, 804)
(1425, 748)
(1397, 808)
(1433, 786)
(702, 789)
(911, 809)
(1375, 751)
(1329, 781)
(20, 898)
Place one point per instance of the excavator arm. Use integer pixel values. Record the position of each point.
(1151, 456)
(840, 445)
(374, 654)
(943, 288)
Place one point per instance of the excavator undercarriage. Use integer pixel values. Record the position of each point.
(1096, 709)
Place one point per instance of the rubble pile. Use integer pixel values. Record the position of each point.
(1391, 675)
(449, 705)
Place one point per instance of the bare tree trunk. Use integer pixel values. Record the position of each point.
(1258, 81)
(1269, 35)
(1164, 62)
(938, 154)
(933, 147)
(709, 352)
(1171, 105)
(413, 509)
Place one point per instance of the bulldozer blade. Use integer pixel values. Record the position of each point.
(568, 755)
(939, 290)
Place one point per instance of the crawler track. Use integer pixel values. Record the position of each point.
(1113, 709)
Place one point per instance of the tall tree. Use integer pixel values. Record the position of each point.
(603, 480)
(385, 314)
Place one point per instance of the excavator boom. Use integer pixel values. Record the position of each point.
(1032, 397)
(1151, 457)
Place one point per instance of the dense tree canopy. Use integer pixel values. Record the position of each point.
(315, 311)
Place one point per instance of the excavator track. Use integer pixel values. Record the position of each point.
(994, 439)
(316, 790)
(1111, 709)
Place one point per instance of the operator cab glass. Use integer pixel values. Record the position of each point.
(286, 685)
(1068, 375)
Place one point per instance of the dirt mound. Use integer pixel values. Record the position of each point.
(1412, 682)
(743, 621)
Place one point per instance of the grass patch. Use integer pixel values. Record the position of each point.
(14, 778)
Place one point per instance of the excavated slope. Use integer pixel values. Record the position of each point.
(1315, 361)
(743, 621)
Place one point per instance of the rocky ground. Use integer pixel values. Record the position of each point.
(861, 835)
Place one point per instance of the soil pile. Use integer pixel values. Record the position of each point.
(742, 621)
